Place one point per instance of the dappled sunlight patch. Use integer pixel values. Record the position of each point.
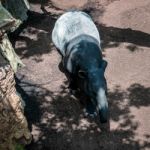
(126, 118)
(36, 132)
(59, 126)
(46, 117)
(84, 124)
(62, 119)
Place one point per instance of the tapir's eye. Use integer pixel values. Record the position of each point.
(82, 74)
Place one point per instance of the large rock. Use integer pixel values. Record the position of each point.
(13, 124)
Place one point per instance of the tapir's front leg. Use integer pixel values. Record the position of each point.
(70, 73)
(90, 108)
(72, 83)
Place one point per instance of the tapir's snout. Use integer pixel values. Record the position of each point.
(102, 105)
(103, 113)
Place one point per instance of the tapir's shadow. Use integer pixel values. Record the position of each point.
(82, 98)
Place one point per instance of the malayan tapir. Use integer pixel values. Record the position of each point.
(77, 39)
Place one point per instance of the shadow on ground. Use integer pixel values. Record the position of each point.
(34, 38)
(59, 123)
(113, 37)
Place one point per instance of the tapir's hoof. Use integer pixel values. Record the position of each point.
(91, 114)
(91, 109)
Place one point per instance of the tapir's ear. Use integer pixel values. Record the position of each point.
(82, 74)
(104, 64)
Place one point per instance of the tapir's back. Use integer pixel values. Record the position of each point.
(71, 25)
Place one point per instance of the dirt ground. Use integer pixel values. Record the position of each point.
(56, 118)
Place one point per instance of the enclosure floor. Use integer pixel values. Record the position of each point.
(55, 117)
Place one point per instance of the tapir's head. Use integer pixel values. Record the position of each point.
(95, 87)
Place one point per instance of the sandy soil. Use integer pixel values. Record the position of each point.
(56, 118)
